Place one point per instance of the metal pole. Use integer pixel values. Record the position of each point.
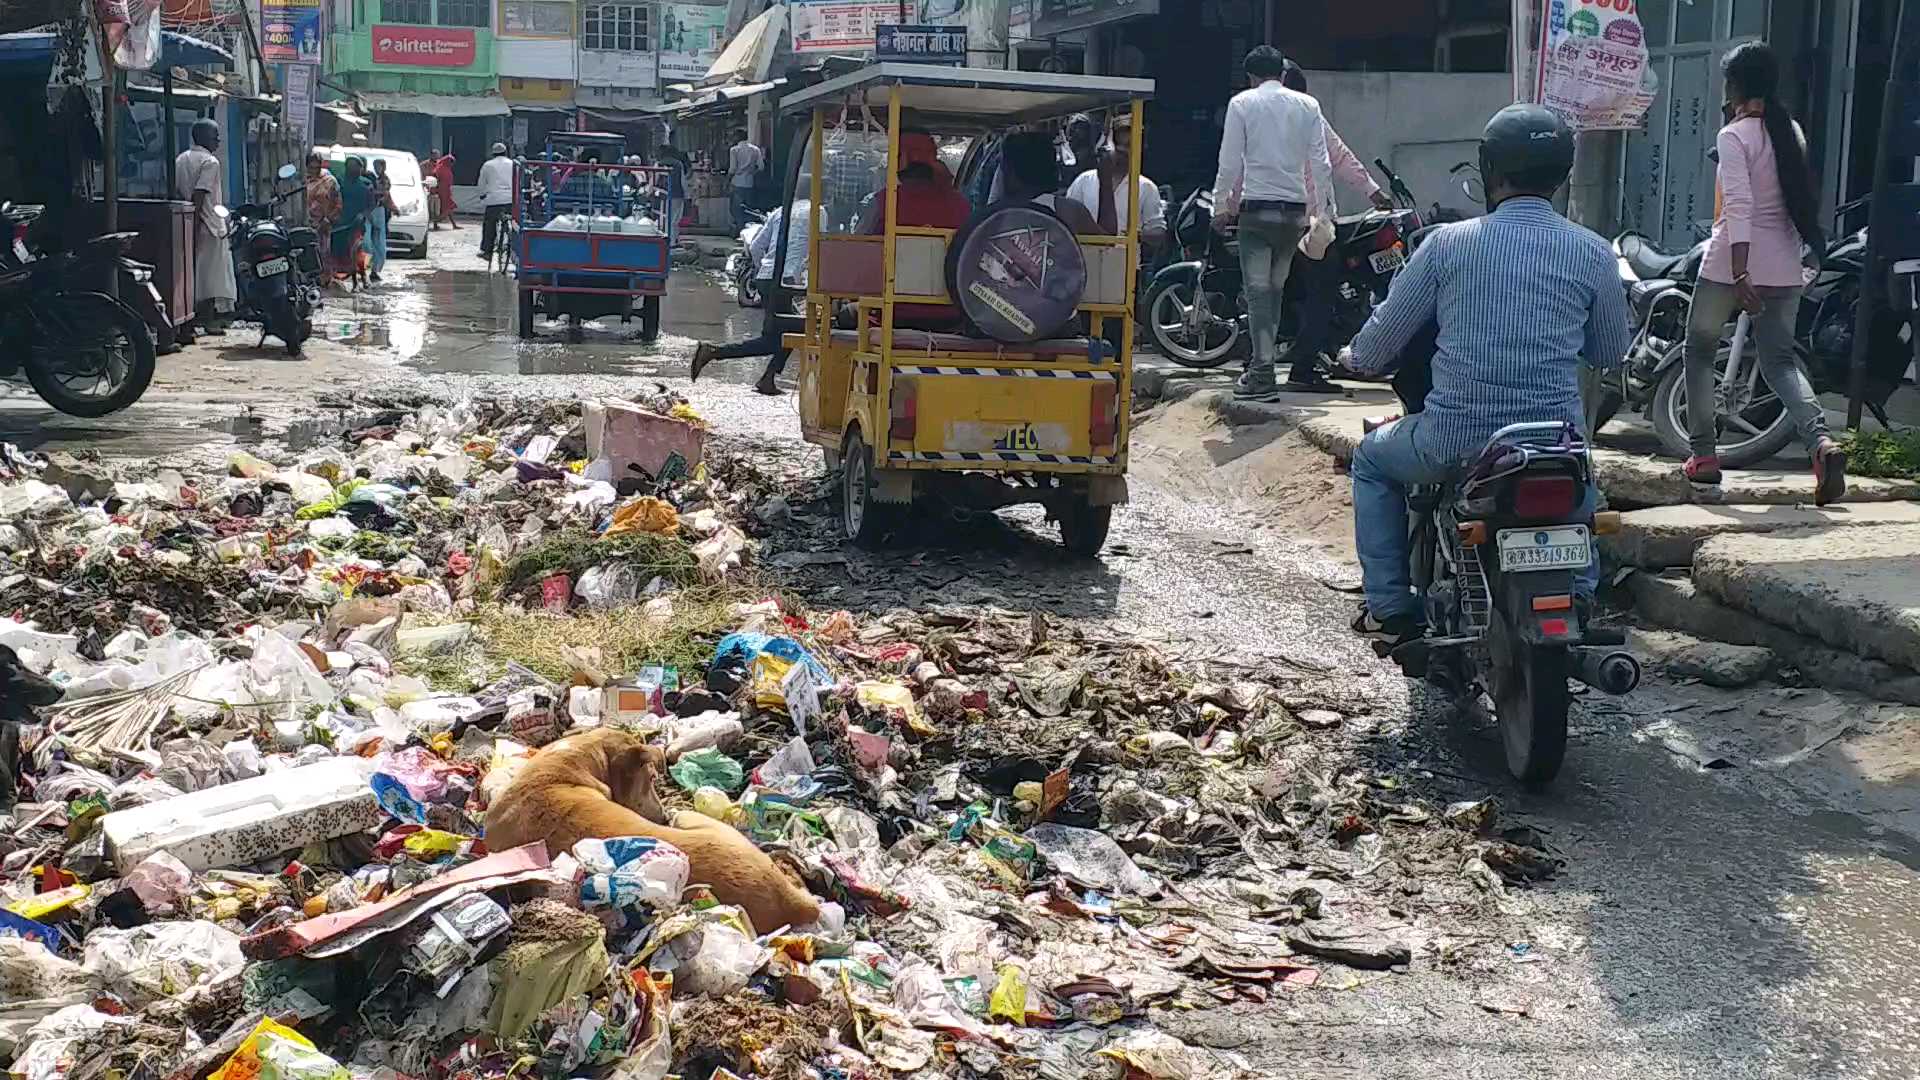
(1873, 281)
(171, 138)
(110, 145)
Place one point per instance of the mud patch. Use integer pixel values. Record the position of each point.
(1270, 470)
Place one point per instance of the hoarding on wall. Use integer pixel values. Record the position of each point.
(424, 46)
(290, 31)
(691, 37)
(1052, 17)
(1019, 20)
(843, 26)
(1584, 59)
(296, 104)
(847, 26)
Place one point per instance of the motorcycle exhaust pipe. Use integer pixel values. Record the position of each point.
(1609, 671)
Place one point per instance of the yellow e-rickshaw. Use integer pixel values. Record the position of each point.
(1024, 399)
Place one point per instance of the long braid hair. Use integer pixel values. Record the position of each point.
(1752, 71)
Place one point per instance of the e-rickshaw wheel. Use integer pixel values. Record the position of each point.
(649, 318)
(526, 315)
(865, 521)
(1083, 526)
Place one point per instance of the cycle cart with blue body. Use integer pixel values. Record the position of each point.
(595, 237)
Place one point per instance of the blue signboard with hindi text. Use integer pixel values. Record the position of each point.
(917, 44)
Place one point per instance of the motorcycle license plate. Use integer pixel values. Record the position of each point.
(1388, 261)
(1558, 547)
(271, 267)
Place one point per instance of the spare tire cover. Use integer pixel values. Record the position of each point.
(1019, 273)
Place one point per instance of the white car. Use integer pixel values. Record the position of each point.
(407, 230)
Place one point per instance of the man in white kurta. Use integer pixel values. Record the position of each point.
(196, 178)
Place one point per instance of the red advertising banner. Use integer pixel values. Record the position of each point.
(423, 46)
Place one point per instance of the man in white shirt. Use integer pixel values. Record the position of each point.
(1085, 190)
(496, 194)
(196, 178)
(744, 163)
(1273, 153)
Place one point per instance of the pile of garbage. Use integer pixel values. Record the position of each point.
(248, 843)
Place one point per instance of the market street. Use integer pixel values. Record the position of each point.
(1738, 922)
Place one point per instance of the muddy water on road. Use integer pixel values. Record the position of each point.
(429, 320)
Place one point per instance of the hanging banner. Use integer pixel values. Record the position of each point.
(132, 30)
(1584, 59)
(290, 31)
(691, 37)
(296, 104)
(842, 26)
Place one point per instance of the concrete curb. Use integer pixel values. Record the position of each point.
(1675, 602)
(1855, 591)
(1666, 536)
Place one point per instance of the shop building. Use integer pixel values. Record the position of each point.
(427, 72)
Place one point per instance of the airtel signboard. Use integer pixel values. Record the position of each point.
(423, 46)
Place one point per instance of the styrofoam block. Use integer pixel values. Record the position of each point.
(248, 820)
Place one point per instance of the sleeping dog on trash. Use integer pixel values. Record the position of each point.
(20, 690)
(601, 784)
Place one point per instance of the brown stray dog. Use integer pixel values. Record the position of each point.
(601, 784)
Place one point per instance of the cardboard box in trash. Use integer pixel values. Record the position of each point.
(248, 820)
(629, 436)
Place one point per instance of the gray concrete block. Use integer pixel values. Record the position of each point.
(1855, 589)
(1663, 536)
(1674, 601)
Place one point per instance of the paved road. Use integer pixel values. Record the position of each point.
(1708, 924)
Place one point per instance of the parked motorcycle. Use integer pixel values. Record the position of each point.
(85, 352)
(276, 268)
(1196, 309)
(1752, 422)
(1494, 552)
(740, 265)
(34, 237)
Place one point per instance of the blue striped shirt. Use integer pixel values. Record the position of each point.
(1521, 296)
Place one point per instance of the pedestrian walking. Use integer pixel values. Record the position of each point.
(441, 169)
(383, 207)
(1765, 209)
(1319, 276)
(1273, 152)
(496, 194)
(196, 179)
(744, 163)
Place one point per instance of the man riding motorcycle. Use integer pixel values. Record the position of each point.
(1520, 298)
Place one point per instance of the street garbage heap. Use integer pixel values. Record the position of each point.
(249, 843)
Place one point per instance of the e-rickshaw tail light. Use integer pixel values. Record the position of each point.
(1103, 421)
(904, 408)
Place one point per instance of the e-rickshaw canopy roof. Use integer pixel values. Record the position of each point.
(972, 97)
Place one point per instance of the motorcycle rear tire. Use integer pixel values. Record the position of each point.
(1528, 685)
(286, 327)
(98, 309)
(1668, 400)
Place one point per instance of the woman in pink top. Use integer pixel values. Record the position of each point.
(1765, 212)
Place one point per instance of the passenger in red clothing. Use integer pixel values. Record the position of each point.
(929, 199)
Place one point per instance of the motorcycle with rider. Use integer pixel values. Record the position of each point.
(1486, 331)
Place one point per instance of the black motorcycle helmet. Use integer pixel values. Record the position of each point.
(1529, 147)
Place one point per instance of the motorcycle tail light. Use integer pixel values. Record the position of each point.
(904, 408)
(1545, 496)
(1103, 424)
(266, 244)
(1388, 236)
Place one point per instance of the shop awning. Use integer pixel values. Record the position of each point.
(749, 56)
(342, 114)
(185, 50)
(436, 104)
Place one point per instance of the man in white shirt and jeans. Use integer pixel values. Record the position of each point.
(496, 194)
(744, 163)
(1085, 190)
(1273, 152)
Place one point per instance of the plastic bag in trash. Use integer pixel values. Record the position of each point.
(1091, 858)
(160, 959)
(407, 781)
(708, 767)
(741, 648)
(609, 585)
(282, 1058)
(626, 872)
(244, 1063)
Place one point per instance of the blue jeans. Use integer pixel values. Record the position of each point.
(1269, 235)
(377, 237)
(739, 205)
(1386, 464)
